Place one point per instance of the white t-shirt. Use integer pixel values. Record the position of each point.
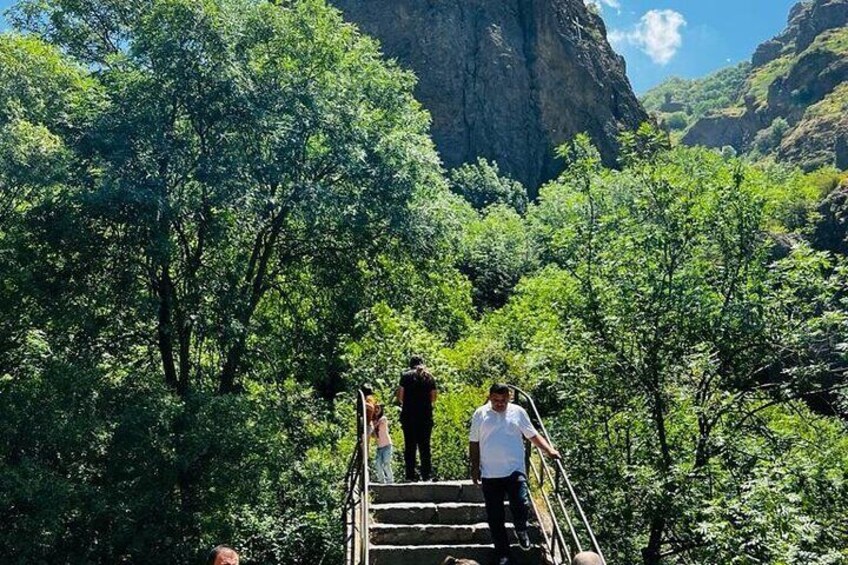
(499, 435)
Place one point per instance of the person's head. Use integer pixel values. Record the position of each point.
(450, 560)
(587, 558)
(499, 396)
(378, 412)
(415, 361)
(367, 389)
(223, 555)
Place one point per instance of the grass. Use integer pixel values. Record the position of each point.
(834, 104)
(761, 78)
(834, 40)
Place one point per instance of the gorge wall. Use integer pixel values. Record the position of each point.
(508, 80)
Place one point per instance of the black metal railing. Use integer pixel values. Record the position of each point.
(555, 488)
(355, 510)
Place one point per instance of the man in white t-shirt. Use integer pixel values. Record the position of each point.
(497, 460)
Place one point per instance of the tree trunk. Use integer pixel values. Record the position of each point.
(651, 554)
(165, 328)
(227, 384)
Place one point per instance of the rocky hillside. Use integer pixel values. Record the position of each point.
(793, 102)
(507, 80)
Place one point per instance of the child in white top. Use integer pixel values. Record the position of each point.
(383, 460)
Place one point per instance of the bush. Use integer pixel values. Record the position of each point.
(676, 121)
(497, 252)
(728, 152)
(769, 138)
(482, 185)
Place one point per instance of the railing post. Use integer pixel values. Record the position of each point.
(364, 502)
(557, 479)
(356, 514)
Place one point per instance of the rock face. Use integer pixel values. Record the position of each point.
(766, 53)
(736, 129)
(831, 231)
(508, 80)
(813, 18)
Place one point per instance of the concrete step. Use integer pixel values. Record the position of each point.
(451, 491)
(431, 513)
(435, 554)
(421, 534)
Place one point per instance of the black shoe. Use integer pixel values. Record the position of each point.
(523, 539)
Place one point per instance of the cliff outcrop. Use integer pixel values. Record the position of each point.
(507, 80)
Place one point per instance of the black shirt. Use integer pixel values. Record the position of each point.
(417, 405)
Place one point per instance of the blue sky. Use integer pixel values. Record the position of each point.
(686, 38)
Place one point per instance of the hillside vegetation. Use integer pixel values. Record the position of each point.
(787, 105)
(698, 97)
(219, 218)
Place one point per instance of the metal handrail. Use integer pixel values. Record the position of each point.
(355, 511)
(554, 477)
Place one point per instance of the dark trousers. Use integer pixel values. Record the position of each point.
(494, 490)
(416, 437)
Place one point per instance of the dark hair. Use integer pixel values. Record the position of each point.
(216, 551)
(422, 375)
(499, 388)
(366, 389)
(415, 361)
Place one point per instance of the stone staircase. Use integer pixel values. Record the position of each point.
(422, 523)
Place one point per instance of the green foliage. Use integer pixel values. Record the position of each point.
(760, 80)
(482, 185)
(728, 152)
(217, 217)
(388, 340)
(768, 139)
(497, 252)
(452, 418)
(676, 121)
(643, 144)
(105, 468)
(199, 202)
(833, 40)
(662, 330)
(834, 104)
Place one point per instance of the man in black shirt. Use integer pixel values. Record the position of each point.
(416, 394)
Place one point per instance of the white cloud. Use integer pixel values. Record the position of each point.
(614, 4)
(657, 34)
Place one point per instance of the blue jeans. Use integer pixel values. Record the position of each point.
(383, 465)
(494, 490)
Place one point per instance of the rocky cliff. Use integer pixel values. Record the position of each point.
(793, 104)
(508, 80)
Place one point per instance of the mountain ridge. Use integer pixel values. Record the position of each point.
(793, 104)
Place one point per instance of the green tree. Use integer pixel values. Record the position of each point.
(685, 328)
(202, 174)
(242, 141)
(497, 252)
(676, 121)
(769, 138)
(482, 185)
